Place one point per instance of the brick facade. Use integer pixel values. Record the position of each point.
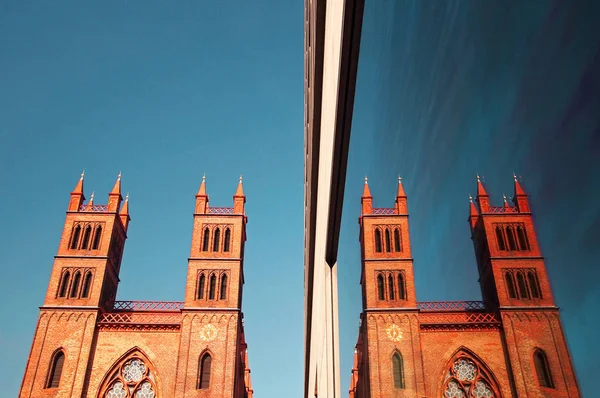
(86, 344)
(511, 344)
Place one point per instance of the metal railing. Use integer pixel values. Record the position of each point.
(442, 306)
(158, 306)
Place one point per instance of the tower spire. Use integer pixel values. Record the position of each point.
(124, 213)
(483, 199)
(239, 198)
(520, 198)
(367, 199)
(366, 190)
(77, 196)
(202, 198)
(401, 207)
(473, 213)
(114, 197)
(401, 193)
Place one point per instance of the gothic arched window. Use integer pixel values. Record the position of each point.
(391, 287)
(75, 285)
(75, 237)
(388, 242)
(510, 234)
(212, 284)
(397, 245)
(86, 237)
(201, 286)
(216, 237)
(542, 369)
(204, 371)
(500, 238)
(466, 377)
(87, 283)
(223, 287)
(378, 240)
(522, 286)
(401, 287)
(97, 236)
(533, 285)
(522, 236)
(131, 377)
(510, 285)
(55, 370)
(398, 370)
(205, 239)
(380, 287)
(227, 240)
(64, 284)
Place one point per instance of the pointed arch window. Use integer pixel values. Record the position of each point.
(391, 287)
(55, 370)
(380, 287)
(216, 237)
(205, 239)
(510, 234)
(401, 287)
(201, 286)
(75, 285)
(97, 236)
(131, 377)
(87, 283)
(204, 366)
(223, 287)
(397, 245)
(510, 285)
(542, 369)
(378, 240)
(398, 370)
(64, 284)
(75, 237)
(500, 238)
(388, 242)
(522, 286)
(212, 284)
(522, 236)
(467, 377)
(227, 240)
(86, 237)
(533, 285)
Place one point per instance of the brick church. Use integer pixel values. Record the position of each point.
(511, 344)
(86, 344)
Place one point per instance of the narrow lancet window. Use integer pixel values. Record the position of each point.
(223, 288)
(201, 286)
(97, 235)
(500, 239)
(205, 239)
(397, 245)
(75, 285)
(64, 284)
(510, 234)
(542, 369)
(75, 237)
(204, 372)
(533, 285)
(510, 285)
(87, 283)
(391, 287)
(398, 371)
(212, 287)
(216, 237)
(55, 371)
(380, 287)
(227, 240)
(377, 240)
(401, 289)
(523, 242)
(522, 286)
(86, 237)
(388, 242)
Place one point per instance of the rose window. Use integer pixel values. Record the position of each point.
(131, 378)
(467, 379)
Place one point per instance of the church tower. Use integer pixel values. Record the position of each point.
(83, 283)
(212, 337)
(514, 282)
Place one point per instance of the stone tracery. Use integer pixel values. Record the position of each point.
(467, 378)
(131, 377)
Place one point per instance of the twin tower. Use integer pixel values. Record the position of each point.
(86, 344)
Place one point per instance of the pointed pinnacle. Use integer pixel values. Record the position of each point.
(82, 174)
(127, 197)
(204, 177)
(366, 180)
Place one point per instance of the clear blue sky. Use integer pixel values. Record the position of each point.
(168, 91)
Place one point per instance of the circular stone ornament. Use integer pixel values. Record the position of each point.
(394, 333)
(208, 332)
